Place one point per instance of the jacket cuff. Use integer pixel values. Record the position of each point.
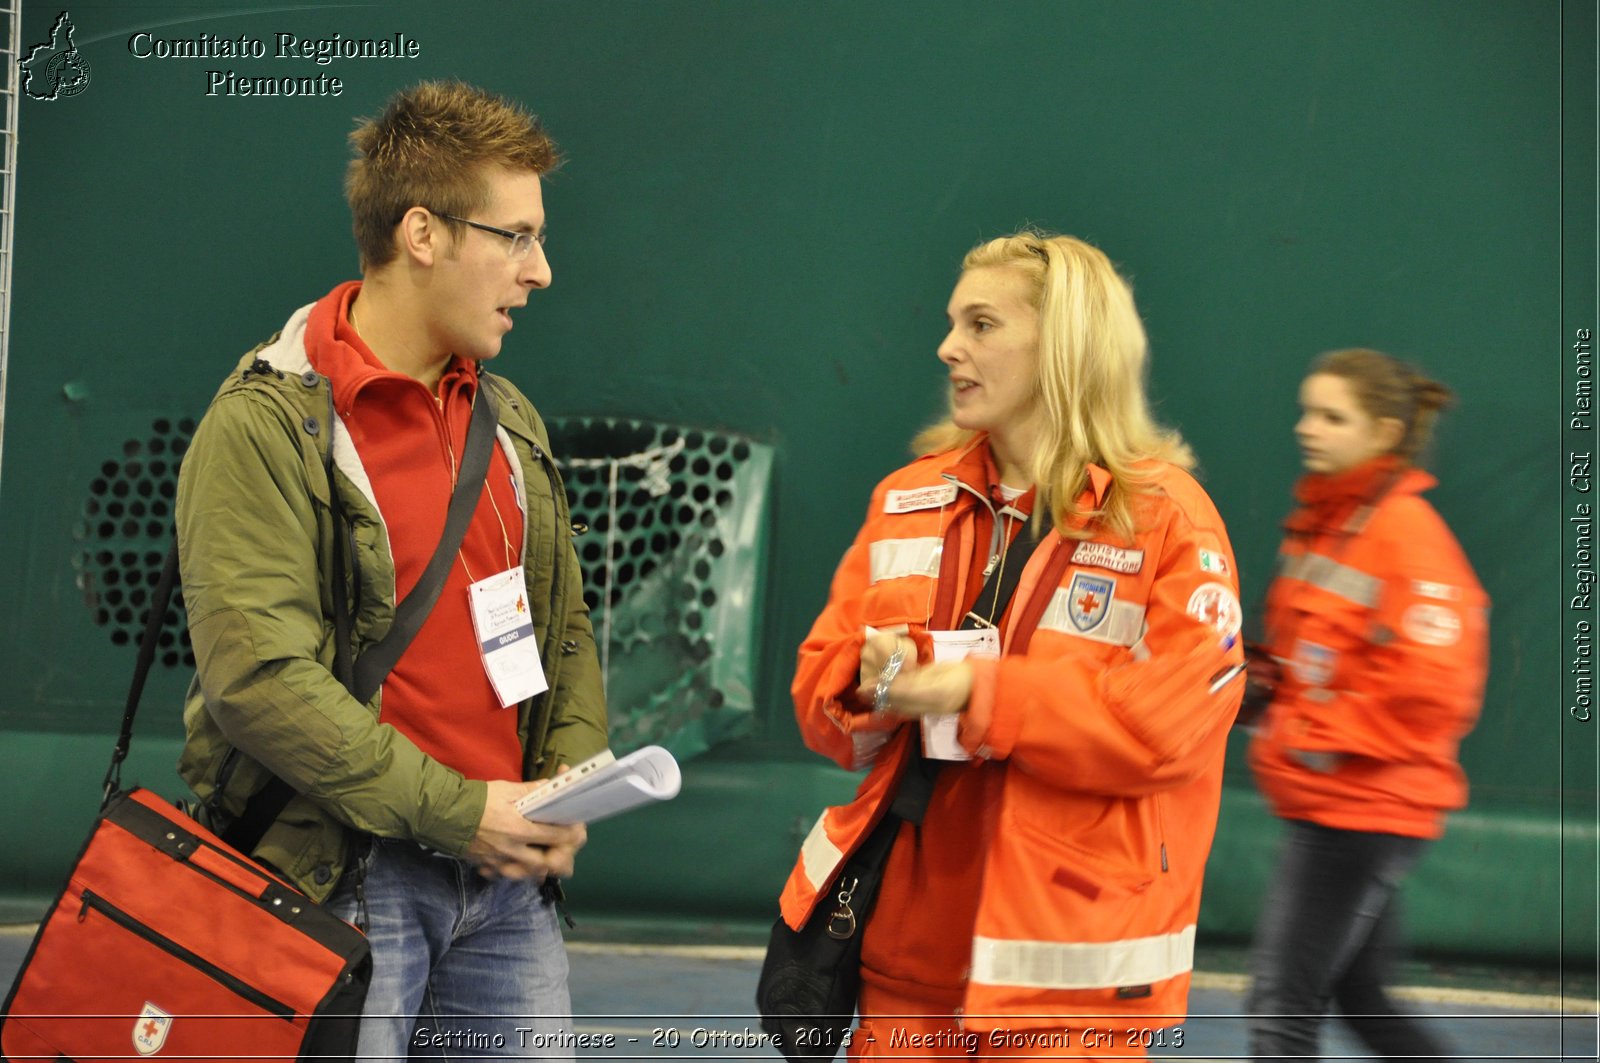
(848, 711)
(986, 729)
(453, 831)
(855, 716)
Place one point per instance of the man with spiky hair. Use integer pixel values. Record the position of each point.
(319, 481)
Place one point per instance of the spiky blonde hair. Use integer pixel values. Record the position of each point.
(1092, 358)
(432, 147)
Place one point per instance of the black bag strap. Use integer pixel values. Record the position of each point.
(141, 670)
(376, 663)
(344, 563)
(369, 670)
(267, 803)
(916, 781)
(1001, 585)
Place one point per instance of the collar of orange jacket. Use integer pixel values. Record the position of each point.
(974, 465)
(1327, 500)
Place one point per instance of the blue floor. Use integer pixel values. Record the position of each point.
(693, 1003)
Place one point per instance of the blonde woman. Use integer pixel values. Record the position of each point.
(1381, 629)
(1068, 744)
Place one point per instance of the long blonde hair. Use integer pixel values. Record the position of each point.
(1092, 358)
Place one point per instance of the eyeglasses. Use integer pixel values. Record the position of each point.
(521, 243)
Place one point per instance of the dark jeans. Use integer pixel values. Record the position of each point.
(1328, 933)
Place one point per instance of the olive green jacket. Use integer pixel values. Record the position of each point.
(256, 543)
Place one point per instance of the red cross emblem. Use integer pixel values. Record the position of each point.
(1091, 600)
(150, 1029)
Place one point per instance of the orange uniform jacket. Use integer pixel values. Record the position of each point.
(1382, 629)
(1102, 708)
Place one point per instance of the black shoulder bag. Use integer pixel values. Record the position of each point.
(810, 977)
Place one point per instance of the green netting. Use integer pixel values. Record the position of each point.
(677, 522)
(123, 532)
(672, 562)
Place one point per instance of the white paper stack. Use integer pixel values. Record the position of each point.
(604, 786)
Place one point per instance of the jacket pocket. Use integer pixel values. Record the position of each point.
(1083, 871)
(256, 999)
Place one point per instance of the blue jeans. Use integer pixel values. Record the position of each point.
(1329, 931)
(461, 966)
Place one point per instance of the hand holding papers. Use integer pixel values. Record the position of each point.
(603, 786)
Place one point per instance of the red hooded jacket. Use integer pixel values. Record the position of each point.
(1382, 629)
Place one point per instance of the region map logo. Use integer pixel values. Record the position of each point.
(55, 69)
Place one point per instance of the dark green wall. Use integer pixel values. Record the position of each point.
(758, 228)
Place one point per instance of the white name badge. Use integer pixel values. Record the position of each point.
(939, 733)
(921, 498)
(504, 626)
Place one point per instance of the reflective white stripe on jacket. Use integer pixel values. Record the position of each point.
(1101, 708)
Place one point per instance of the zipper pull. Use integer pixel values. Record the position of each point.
(551, 892)
(994, 559)
(83, 910)
(361, 891)
(842, 920)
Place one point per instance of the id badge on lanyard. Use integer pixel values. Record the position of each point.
(504, 627)
(939, 733)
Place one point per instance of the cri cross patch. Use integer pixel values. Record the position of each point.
(1313, 663)
(150, 1030)
(1432, 625)
(1215, 604)
(1089, 600)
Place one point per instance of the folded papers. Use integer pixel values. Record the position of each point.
(604, 786)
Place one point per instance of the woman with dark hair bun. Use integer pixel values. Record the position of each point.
(1379, 631)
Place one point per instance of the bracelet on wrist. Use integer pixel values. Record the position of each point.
(891, 668)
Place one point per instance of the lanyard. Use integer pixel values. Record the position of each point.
(1002, 582)
(916, 781)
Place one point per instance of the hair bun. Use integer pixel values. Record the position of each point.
(1431, 394)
